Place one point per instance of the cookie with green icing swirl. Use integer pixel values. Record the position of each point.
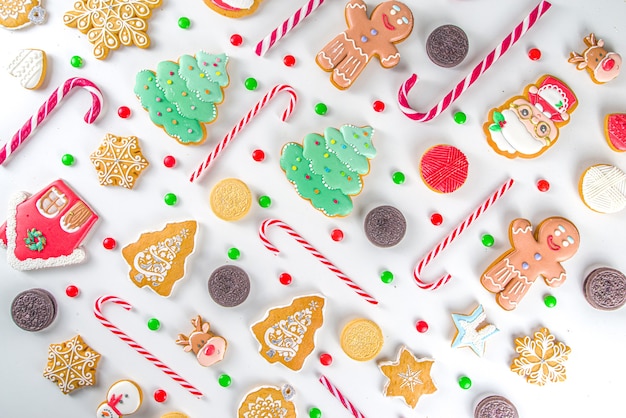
(181, 97)
(327, 169)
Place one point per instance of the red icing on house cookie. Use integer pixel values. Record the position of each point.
(444, 168)
(46, 229)
(615, 131)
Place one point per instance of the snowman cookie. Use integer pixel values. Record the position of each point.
(526, 126)
(349, 52)
(530, 257)
(124, 397)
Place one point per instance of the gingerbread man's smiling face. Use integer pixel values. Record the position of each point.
(393, 19)
(560, 237)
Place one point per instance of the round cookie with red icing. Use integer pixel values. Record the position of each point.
(233, 8)
(444, 168)
(615, 131)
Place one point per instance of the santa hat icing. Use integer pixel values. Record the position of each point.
(553, 98)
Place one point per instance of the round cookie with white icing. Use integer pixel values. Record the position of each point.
(124, 397)
(602, 188)
(182, 96)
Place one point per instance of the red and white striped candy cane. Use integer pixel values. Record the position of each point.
(480, 68)
(451, 236)
(293, 98)
(280, 224)
(97, 311)
(337, 394)
(266, 43)
(55, 98)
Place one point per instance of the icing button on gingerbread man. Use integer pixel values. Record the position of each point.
(349, 52)
(531, 256)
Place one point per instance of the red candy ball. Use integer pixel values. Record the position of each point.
(534, 54)
(123, 112)
(109, 243)
(285, 278)
(336, 234)
(289, 60)
(169, 161)
(378, 106)
(236, 40)
(421, 326)
(326, 359)
(71, 291)
(160, 395)
(258, 155)
(543, 185)
(436, 219)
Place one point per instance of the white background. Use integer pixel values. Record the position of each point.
(595, 368)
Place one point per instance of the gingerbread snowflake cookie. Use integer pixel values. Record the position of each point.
(72, 364)
(541, 358)
(110, 24)
(349, 52)
(118, 161)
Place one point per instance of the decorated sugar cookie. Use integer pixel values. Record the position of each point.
(530, 257)
(541, 358)
(526, 126)
(72, 364)
(16, 14)
(233, 8)
(208, 348)
(327, 169)
(444, 168)
(268, 401)
(287, 333)
(158, 259)
(118, 161)
(182, 96)
(110, 24)
(408, 377)
(124, 397)
(602, 188)
(349, 52)
(615, 131)
(601, 64)
(46, 229)
(472, 331)
(29, 67)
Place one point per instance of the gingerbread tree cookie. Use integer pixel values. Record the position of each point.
(181, 96)
(349, 52)
(327, 169)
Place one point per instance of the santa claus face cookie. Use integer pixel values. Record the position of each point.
(526, 126)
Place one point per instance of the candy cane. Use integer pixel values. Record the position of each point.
(337, 394)
(55, 98)
(280, 224)
(451, 236)
(482, 66)
(293, 98)
(276, 35)
(97, 311)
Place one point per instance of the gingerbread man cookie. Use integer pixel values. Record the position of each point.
(511, 275)
(349, 52)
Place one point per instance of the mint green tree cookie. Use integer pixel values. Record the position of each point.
(182, 96)
(327, 169)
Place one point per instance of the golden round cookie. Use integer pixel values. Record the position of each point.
(174, 415)
(361, 339)
(230, 199)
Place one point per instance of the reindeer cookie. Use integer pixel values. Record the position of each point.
(511, 275)
(349, 52)
(601, 64)
(208, 348)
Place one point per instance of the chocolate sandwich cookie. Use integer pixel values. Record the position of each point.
(385, 226)
(495, 407)
(447, 46)
(605, 289)
(34, 309)
(229, 286)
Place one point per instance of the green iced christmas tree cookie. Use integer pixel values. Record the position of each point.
(327, 169)
(182, 96)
